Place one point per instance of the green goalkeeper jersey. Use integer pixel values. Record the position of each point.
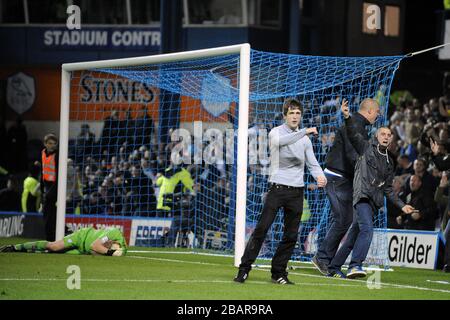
(83, 239)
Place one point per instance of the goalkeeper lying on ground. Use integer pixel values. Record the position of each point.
(108, 242)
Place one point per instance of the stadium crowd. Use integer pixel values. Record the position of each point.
(127, 172)
(417, 179)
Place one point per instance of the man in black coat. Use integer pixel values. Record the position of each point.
(374, 174)
(419, 198)
(340, 168)
(441, 159)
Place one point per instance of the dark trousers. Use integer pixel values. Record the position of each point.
(291, 199)
(340, 193)
(358, 239)
(49, 211)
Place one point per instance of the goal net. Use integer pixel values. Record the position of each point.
(158, 145)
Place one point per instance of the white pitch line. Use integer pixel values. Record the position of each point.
(400, 286)
(183, 252)
(304, 274)
(169, 281)
(177, 261)
(438, 281)
(295, 264)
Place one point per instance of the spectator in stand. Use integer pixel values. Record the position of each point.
(85, 143)
(413, 127)
(17, 146)
(31, 195)
(88, 181)
(444, 137)
(91, 204)
(442, 198)
(392, 211)
(427, 180)
(404, 166)
(73, 193)
(10, 196)
(114, 166)
(117, 200)
(436, 115)
(442, 161)
(5, 145)
(140, 198)
(144, 127)
(424, 218)
(107, 193)
(147, 170)
(111, 132)
(444, 107)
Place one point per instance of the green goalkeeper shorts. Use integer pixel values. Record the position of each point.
(76, 239)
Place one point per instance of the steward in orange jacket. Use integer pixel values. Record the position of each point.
(49, 184)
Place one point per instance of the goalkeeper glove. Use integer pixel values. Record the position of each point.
(115, 253)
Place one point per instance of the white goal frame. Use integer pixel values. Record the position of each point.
(242, 150)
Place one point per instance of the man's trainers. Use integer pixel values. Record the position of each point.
(446, 268)
(356, 272)
(282, 280)
(321, 266)
(8, 248)
(241, 276)
(336, 274)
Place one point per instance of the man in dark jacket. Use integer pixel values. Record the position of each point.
(374, 173)
(10, 196)
(425, 217)
(442, 161)
(340, 167)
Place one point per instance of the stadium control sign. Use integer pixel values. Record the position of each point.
(20, 92)
(145, 39)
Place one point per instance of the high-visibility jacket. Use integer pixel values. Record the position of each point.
(168, 184)
(446, 4)
(31, 196)
(48, 167)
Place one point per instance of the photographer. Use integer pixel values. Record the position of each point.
(174, 199)
(442, 161)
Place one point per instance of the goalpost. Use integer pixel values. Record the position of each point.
(158, 165)
(242, 50)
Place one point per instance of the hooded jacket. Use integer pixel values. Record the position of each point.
(374, 171)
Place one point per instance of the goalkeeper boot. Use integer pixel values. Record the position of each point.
(320, 265)
(356, 272)
(8, 248)
(241, 276)
(281, 280)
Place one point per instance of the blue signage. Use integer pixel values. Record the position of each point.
(107, 38)
(55, 45)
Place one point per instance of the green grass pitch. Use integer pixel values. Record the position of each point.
(158, 274)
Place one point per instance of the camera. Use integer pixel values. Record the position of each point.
(179, 200)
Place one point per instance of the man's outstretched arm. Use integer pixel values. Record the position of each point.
(356, 139)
